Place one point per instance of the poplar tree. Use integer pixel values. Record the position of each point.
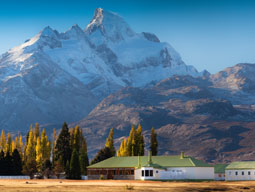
(76, 139)
(110, 142)
(9, 143)
(30, 152)
(139, 142)
(154, 142)
(20, 146)
(2, 141)
(131, 141)
(37, 130)
(13, 146)
(45, 146)
(53, 146)
(123, 151)
(38, 154)
(30, 168)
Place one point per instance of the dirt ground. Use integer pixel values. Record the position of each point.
(112, 186)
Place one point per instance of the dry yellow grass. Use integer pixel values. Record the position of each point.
(112, 186)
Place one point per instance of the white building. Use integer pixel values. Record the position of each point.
(152, 168)
(240, 171)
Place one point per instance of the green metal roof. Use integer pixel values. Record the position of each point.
(241, 165)
(220, 168)
(159, 161)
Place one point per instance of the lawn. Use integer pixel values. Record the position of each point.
(112, 186)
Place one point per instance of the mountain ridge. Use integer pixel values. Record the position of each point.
(42, 64)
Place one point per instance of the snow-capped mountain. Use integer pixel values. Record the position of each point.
(135, 59)
(55, 77)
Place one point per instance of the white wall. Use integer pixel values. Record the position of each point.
(231, 175)
(84, 177)
(138, 174)
(156, 174)
(178, 173)
(188, 173)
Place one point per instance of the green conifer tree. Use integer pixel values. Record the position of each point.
(75, 169)
(84, 160)
(139, 142)
(62, 148)
(154, 142)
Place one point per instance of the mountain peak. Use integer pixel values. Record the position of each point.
(109, 25)
(74, 32)
(48, 32)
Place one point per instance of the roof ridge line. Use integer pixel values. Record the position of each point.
(190, 159)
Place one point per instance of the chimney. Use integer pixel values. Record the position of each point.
(139, 161)
(182, 155)
(149, 157)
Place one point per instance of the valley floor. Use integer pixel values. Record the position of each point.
(112, 186)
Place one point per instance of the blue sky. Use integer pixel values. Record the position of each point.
(209, 35)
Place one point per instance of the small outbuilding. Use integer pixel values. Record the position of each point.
(240, 171)
(149, 167)
(219, 172)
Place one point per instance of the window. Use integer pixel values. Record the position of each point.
(236, 172)
(229, 173)
(249, 173)
(242, 172)
(151, 173)
(142, 173)
(146, 173)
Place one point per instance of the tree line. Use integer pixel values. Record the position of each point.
(66, 154)
(133, 145)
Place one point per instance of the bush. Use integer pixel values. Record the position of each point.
(101, 177)
(129, 187)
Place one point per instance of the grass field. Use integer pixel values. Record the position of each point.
(112, 186)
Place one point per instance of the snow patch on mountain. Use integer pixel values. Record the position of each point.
(83, 65)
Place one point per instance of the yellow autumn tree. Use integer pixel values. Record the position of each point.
(37, 130)
(9, 143)
(131, 142)
(2, 141)
(38, 153)
(123, 151)
(13, 146)
(45, 146)
(110, 142)
(30, 153)
(19, 146)
(53, 146)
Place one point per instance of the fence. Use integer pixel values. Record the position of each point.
(15, 177)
